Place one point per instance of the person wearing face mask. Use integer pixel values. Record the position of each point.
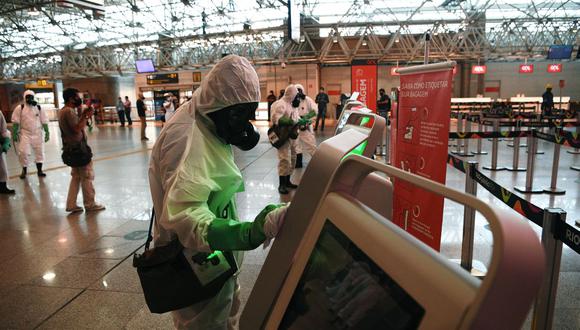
(4, 147)
(28, 123)
(285, 113)
(72, 123)
(193, 180)
(306, 139)
(169, 106)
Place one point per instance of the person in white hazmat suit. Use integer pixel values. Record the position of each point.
(169, 106)
(193, 181)
(28, 123)
(306, 139)
(4, 147)
(285, 113)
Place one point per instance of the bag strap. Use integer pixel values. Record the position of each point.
(149, 236)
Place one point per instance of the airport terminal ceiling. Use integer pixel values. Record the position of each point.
(76, 38)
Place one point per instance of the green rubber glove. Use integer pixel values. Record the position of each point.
(15, 131)
(285, 121)
(5, 144)
(46, 132)
(310, 115)
(303, 121)
(230, 235)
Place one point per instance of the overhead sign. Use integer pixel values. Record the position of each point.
(420, 147)
(197, 76)
(479, 69)
(162, 78)
(554, 68)
(526, 68)
(364, 80)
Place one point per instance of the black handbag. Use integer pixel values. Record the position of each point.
(278, 135)
(169, 280)
(77, 154)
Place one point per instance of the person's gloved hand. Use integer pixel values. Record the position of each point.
(303, 121)
(5, 144)
(230, 235)
(46, 132)
(15, 131)
(274, 221)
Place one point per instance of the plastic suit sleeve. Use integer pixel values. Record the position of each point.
(230, 235)
(43, 117)
(46, 132)
(15, 131)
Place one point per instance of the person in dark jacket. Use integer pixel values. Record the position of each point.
(271, 99)
(547, 101)
(383, 103)
(322, 101)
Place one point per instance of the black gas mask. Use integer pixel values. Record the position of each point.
(30, 100)
(301, 94)
(296, 101)
(233, 125)
(78, 102)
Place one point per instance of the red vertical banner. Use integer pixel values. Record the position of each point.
(363, 75)
(422, 136)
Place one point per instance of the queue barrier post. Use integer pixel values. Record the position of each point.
(543, 314)
(532, 147)
(555, 164)
(494, 150)
(576, 151)
(516, 159)
(479, 141)
(476, 268)
(459, 129)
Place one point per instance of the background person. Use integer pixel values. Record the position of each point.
(28, 123)
(306, 139)
(322, 101)
(72, 123)
(168, 106)
(194, 179)
(547, 101)
(285, 113)
(383, 103)
(127, 105)
(271, 99)
(141, 108)
(4, 147)
(121, 111)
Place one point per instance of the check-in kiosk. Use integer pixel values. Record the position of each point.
(365, 122)
(338, 264)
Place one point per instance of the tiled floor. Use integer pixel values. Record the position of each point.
(61, 271)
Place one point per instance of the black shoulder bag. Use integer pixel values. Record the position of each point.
(170, 281)
(279, 134)
(76, 154)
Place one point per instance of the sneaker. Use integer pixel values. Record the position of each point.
(96, 207)
(74, 209)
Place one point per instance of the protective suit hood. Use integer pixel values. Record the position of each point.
(28, 92)
(290, 93)
(299, 86)
(231, 81)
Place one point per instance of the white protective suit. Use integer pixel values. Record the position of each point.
(5, 134)
(31, 135)
(193, 178)
(306, 138)
(283, 108)
(169, 109)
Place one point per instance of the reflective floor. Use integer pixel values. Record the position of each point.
(61, 271)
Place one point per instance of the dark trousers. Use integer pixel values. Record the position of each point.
(128, 115)
(321, 115)
(121, 115)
